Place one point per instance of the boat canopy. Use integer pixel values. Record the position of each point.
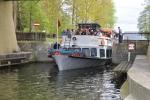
(92, 26)
(107, 30)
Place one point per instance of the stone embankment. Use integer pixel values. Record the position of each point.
(120, 51)
(139, 79)
(148, 54)
(15, 58)
(39, 50)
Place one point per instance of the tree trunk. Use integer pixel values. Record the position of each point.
(8, 42)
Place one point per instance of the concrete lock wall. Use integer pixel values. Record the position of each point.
(138, 78)
(39, 50)
(120, 51)
(148, 53)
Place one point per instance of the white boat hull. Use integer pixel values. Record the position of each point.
(66, 62)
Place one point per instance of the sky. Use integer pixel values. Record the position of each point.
(127, 13)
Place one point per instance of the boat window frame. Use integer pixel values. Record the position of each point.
(101, 53)
(95, 52)
(110, 52)
(107, 53)
(89, 53)
(66, 49)
(73, 49)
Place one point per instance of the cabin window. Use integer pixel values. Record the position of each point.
(108, 52)
(86, 51)
(75, 49)
(71, 49)
(65, 49)
(102, 53)
(93, 52)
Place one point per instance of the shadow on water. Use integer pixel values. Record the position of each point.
(43, 81)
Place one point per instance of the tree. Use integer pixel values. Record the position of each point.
(30, 12)
(100, 11)
(144, 18)
(69, 12)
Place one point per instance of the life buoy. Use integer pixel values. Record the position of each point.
(74, 38)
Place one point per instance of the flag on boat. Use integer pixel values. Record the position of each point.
(58, 23)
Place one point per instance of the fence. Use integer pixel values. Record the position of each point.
(31, 36)
(136, 36)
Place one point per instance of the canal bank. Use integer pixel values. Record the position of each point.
(137, 86)
(39, 50)
(148, 54)
(120, 51)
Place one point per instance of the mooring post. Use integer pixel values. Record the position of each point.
(129, 56)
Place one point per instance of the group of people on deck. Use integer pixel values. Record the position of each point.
(87, 31)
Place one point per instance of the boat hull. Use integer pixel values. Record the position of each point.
(67, 63)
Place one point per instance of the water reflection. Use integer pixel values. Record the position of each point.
(44, 82)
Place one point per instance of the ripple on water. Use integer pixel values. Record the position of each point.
(43, 82)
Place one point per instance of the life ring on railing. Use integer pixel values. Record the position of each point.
(74, 38)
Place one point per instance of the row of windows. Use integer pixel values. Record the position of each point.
(93, 52)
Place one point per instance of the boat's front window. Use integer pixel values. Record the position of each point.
(93, 52)
(102, 53)
(65, 49)
(75, 49)
(86, 51)
(108, 52)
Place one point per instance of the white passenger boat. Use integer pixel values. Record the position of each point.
(80, 51)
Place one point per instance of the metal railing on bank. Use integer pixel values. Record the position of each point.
(136, 37)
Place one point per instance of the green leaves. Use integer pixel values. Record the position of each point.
(100, 11)
(69, 12)
(144, 18)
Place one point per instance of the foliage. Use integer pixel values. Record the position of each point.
(30, 12)
(100, 11)
(144, 18)
(68, 12)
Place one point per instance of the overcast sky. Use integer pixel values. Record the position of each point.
(127, 13)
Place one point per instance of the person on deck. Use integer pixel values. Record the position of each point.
(56, 46)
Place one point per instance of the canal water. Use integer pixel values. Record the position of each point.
(43, 81)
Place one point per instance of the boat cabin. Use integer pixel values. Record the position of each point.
(89, 40)
(104, 53)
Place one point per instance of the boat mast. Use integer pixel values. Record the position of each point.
(57, 32)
